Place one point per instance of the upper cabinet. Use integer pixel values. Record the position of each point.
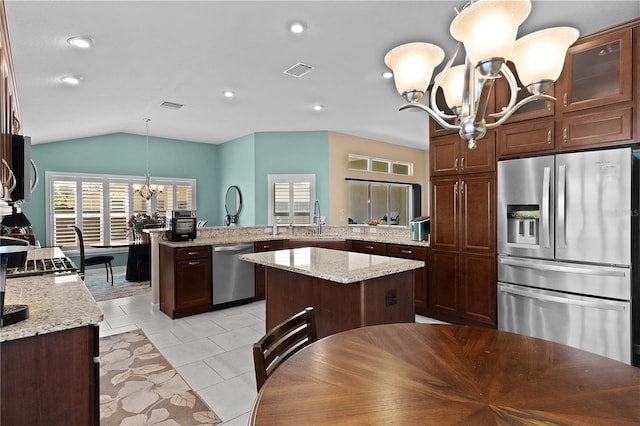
(535, 109)
(449, 155)
(597, 71)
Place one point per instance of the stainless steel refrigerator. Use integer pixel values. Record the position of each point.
(567, 237)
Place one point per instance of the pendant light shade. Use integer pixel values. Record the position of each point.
(453, 86)
(412, 65)
(488, 28)
(540, 56)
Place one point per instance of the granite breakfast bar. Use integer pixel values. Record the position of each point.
(347, 290)
(48, 362)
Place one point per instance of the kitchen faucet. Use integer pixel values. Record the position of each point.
(316, 216)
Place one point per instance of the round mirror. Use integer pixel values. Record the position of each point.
(232, 204)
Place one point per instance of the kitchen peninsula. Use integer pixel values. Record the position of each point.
(347, 290)
(47, 363)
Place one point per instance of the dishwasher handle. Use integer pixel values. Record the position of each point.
(236, 247)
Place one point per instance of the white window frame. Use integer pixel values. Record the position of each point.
(290, 179)
(106, 179)
(389, 163)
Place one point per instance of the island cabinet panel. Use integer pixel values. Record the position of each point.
(51, 379)
(260, 270)
(421, 284)
(368, 247)
(339, 307)
(185, 280)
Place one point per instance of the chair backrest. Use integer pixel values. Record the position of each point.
(281, 342)
(81, 244)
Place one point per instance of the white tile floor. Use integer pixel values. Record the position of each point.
(212, 351)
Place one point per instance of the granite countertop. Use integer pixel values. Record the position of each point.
(56, 302)
(231, 235)
(334, 265)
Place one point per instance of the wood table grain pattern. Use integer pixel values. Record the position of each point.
(418, 374)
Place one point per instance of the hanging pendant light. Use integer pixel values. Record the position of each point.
(147, 190)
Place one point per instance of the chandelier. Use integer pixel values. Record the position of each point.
(487, 29)
(147, 190)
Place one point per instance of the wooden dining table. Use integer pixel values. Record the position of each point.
(428, 374)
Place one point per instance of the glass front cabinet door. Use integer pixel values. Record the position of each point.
(597, 71)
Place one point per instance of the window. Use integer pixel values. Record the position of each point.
(366, 164)
(102, 204)
(291, 199)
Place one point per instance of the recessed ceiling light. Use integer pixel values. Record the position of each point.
(318, 107)
(228, 94)
(71, 79)
(387, 74)
(80, 41)
(297, 27)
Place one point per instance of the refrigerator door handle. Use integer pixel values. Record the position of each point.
(546, 231)
(600, 304)
(562, 186)
(562, 268)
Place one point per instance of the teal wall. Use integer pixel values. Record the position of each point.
(237, 167)
(291, 153)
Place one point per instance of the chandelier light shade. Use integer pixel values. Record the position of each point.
(147, 190)
(412, 65)
(487, 30)
(540, 56)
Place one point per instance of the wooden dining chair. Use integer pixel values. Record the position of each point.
(281, 342)
(92, 260)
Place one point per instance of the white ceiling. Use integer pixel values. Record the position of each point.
(189, 52)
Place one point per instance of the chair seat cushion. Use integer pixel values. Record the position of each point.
(98, 259)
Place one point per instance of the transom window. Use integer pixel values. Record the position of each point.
(101, 205)
(379, 165)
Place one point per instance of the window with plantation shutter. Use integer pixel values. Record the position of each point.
(102, 204)
(291, 199)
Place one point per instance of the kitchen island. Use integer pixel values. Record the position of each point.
(47, 369)
(347, 290)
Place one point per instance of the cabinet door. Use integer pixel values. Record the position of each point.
(536, 136)
(444, 155)
(597, 71)
(478, 285)
(482, 158)
(477, 214)
(601, 127)
(444, 213)
(443, 282)
(421, 276)
(193, 283)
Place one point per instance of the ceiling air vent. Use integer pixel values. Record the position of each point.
(171, 105)
(299, 69)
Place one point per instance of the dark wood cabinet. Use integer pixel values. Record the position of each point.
(185, 280)
(604, 126)
(51, 379)
(421, 284)
(260, 270)
(368, 247)
(461, 288)
(449, 155)
(598, 71)
(530, 137)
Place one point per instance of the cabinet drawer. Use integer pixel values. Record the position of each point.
(407, 252)
(269, 245)
(187, 253)
(368, 247)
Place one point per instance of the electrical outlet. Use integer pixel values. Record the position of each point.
(392, 297)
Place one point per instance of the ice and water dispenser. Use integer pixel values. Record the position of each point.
(523, 222)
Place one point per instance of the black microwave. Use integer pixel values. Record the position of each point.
(181, 225)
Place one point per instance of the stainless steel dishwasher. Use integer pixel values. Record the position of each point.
(233, 279)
